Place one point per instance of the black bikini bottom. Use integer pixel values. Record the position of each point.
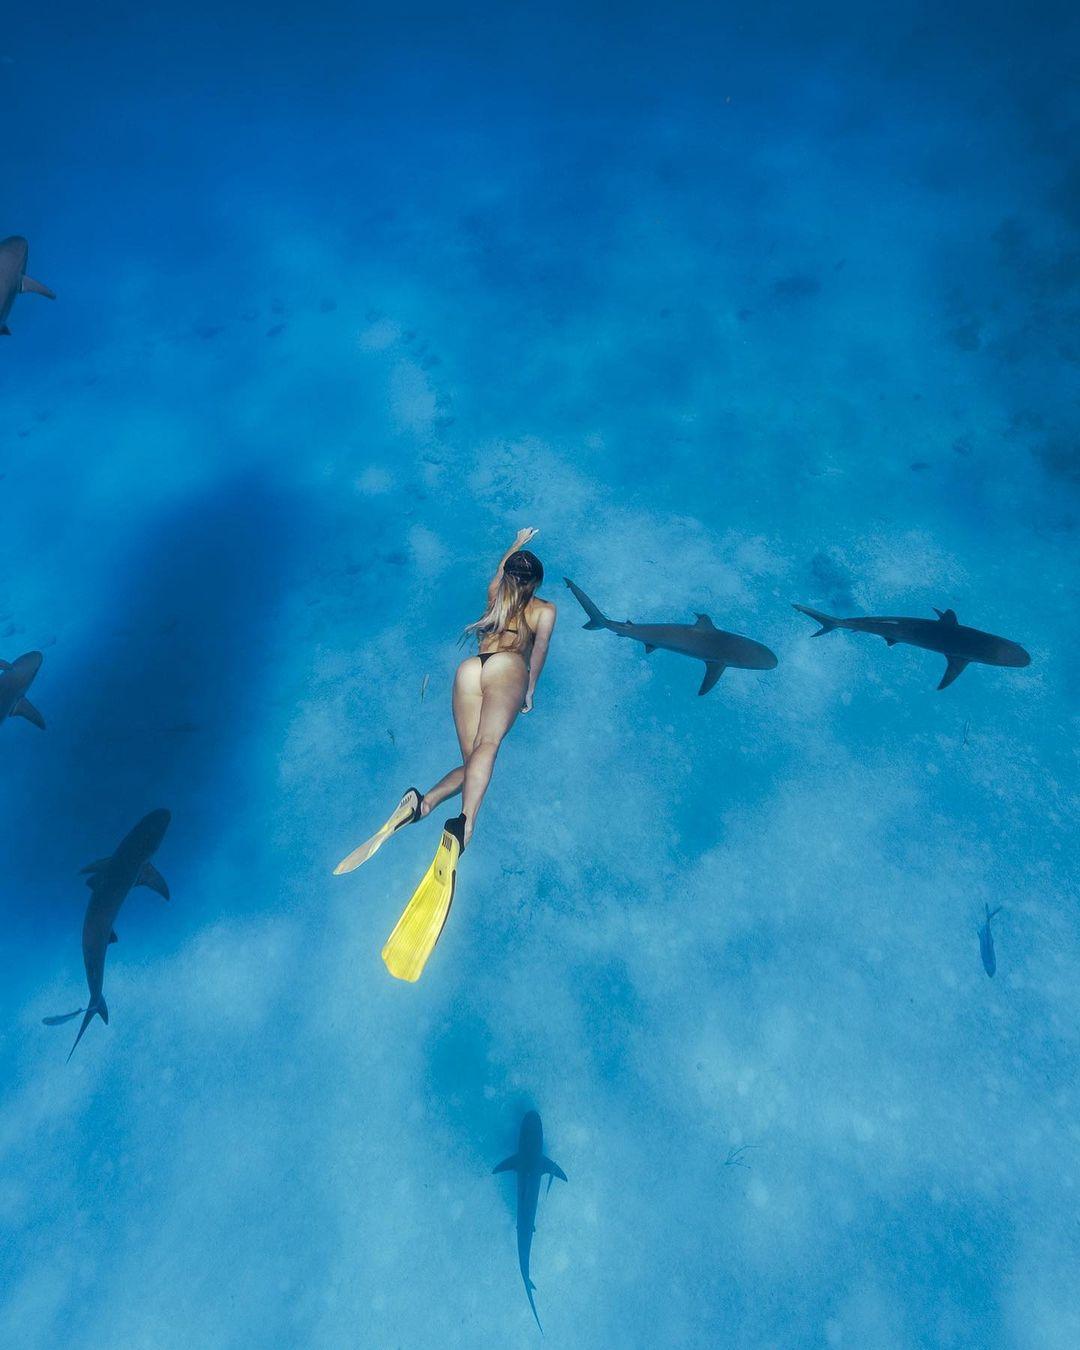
(485, 655)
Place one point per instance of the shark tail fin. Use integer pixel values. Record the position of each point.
(529, 1289)
(596, 619)
(97, 1008)
(828, 623)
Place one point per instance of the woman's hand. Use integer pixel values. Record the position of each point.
(527, 705)
(523, 536)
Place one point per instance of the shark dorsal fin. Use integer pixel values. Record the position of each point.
(946, 615)
(703, 621)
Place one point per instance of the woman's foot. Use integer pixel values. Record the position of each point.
(406, 811)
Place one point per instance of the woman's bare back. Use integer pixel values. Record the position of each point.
(511, 640)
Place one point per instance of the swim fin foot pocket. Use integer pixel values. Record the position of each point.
(406, 811)
(420, 926)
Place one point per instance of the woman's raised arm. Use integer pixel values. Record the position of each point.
(523, 537)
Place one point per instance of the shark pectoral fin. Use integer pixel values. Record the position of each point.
(507, 1165)
(650, 647)
(61, 1018)
(703, 621)
(24, 708)
(95, 869)
(112, 935)
(150, 876)
(29, 285)
(553, 1170)
(946, 615)
(953, 670)
(5, 331)
(713, 671)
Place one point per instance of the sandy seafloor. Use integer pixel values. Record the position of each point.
(740, 310)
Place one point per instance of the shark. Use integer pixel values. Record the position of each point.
(16, 677)
(986, 942)
(110, 880)
(959, 645)
(13, 279)
(701, 640)
(531, 1166)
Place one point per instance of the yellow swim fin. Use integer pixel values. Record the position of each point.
(406, 811)
(420, 926)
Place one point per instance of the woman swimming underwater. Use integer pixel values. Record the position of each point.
(490, 689)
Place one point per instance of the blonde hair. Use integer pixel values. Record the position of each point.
(507, 608)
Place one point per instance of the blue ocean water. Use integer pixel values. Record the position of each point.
(741, 309)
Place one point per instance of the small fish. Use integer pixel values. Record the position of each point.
(986, 942)
(423, 687)
(736, 1156)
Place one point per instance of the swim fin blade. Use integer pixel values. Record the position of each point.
(420, 926)
(406, 811)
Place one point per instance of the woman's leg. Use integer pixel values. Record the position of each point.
(445, 787)
(502, 687)
(467, 702)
